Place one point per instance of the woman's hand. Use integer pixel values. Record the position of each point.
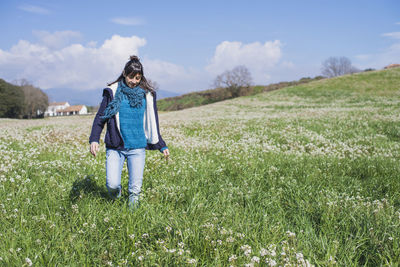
(166, 153)
(94, 148)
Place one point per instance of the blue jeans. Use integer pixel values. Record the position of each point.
(114, 164)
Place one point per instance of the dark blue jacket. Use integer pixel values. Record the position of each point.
(113, 138)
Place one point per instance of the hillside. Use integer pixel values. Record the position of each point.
(362, 89)
(205, 97)
(369, 84)
(306, 175)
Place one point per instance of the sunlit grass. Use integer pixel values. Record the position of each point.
(298, 176)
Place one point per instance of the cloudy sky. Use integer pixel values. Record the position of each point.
(184, 44)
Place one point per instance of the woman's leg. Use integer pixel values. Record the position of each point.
(136, 161)
(114, 163)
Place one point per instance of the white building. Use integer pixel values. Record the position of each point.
(53, 107)
(72, 110)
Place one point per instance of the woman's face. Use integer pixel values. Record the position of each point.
(133, 80)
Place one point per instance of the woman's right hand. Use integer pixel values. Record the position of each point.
(94, 148)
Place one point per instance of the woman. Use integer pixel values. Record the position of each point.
(130, 111)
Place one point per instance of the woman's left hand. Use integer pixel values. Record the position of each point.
(166, 153)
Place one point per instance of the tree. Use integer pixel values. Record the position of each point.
(235, 80)
(369, 69)
(153, 84)
(337, 66)
(36, 101)
(11, 100)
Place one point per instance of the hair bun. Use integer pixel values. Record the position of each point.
(134, 58)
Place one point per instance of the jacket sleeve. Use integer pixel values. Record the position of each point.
(161, 144)
(98, 123)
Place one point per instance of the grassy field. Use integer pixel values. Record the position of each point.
(306, 175)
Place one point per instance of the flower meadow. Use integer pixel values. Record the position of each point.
(303, 176)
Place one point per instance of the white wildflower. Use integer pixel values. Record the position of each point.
(74, 208)
(192, 261)
(232, 258)
(246, 249)
(291, 234)
(264, 252)
(230, 239)
(270, 262)
(28, 261)
(255, 259)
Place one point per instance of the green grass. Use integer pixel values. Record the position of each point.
(306, 174)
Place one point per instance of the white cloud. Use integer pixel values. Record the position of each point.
(56, 62)
(175, 78)
(258, 58)
(287, 64)
(128, 21)
(394, 35)
(390, 55)
(73, 66)
(363, 57)
(34, 9)
(58, 39)
(163, 71)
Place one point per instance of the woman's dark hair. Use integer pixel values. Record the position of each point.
(133, 67)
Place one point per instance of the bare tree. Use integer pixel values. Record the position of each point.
(153, 84)
(36, 101)
(236, 79)
(337, 66)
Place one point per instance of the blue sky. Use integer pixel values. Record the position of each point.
(184, 44)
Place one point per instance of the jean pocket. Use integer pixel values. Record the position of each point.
(108, 152)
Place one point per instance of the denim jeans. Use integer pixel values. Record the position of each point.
(114, 163)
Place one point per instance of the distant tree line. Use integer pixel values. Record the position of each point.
(22, 100)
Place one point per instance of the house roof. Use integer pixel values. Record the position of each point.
(392, 66)
(58, 103)
(71, 108)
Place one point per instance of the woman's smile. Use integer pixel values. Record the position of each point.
(133, 80)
